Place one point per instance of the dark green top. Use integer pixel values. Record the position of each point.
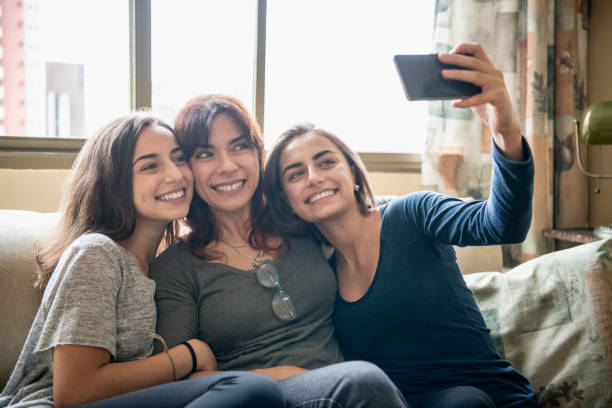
(229, 310)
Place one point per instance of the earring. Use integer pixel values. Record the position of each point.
(357, 187)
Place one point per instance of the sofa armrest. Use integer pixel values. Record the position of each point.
(19, 300)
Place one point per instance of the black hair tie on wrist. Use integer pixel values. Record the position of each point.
(194, 359)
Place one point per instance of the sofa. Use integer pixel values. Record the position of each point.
(551, 317)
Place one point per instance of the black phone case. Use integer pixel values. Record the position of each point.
(422, 79)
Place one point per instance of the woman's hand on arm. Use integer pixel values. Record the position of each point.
(83, 374)
(493, 104)
(280, 372)
(277, 373)
(207, 365)
(205, 356)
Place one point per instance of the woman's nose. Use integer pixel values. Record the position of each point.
(173, 173)
(226, 163)
(313, 176)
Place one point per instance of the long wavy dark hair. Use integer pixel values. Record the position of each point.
(98, 195)
(282, 216)
(192, 127)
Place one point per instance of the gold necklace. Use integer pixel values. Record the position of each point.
(257, 258)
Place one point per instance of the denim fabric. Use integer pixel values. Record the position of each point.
(231, 389)
(354, 384)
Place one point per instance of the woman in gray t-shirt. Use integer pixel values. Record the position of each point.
(91, 338)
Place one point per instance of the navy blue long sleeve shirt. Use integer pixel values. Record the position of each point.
(418, 320)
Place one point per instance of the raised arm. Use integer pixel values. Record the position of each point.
(493, 104)
(503, 218)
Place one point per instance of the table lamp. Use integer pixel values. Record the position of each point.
(595, 129)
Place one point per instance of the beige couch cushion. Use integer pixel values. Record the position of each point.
(479, 258)
(552, 318)
(18, 302)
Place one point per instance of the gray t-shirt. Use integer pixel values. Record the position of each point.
(97, 296)
(228, 309)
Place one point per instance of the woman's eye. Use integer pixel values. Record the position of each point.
(180, 158)
(150, 166)
(241, 146)
(204, 154)
(327, 163)
(295, 175)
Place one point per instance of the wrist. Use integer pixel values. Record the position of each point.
(510, 144)
(182, 359)
(194, 358)
(206, 360)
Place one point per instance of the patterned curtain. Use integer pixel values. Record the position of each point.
(541, 46)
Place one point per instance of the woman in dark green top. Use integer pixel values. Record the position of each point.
(261, 303)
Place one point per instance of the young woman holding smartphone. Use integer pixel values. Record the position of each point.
(402, 302)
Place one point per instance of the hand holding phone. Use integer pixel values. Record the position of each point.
(492, 104)
(421, 77)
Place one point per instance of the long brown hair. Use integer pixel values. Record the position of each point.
(192, 126)
(98, 194)
(281, 214)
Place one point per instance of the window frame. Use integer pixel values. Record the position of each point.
(24, 152)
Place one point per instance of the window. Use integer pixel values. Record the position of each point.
(331, 63)
(212, 49)
(327, 62)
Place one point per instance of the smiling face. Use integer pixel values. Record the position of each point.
(226, 170)
(163, 183)
(317, 180)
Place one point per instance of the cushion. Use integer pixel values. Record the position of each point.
(552, 318)
(19, 299)
(479, 258)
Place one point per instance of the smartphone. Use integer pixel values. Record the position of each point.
(421, 77)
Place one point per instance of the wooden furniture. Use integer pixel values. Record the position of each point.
(580, 236)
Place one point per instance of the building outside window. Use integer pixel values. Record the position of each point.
(66, 66)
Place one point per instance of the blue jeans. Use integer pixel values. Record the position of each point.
(231, 389)
(353, 384)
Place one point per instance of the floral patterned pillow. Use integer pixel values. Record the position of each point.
(551, 318)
